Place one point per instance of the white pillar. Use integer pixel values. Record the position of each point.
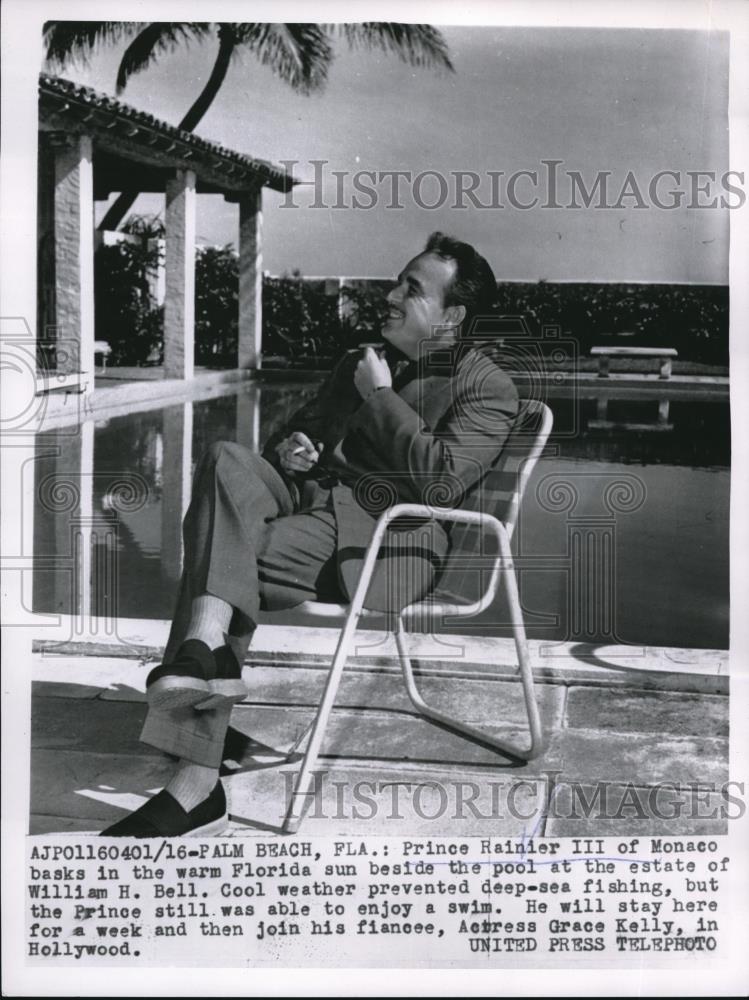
(250, 338)
(74, 256)
(176, 485)
(248, 416)
(179, 301)
(81, 529)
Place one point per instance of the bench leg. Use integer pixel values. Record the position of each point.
(536, 744)
(603, 367)
(666, 368)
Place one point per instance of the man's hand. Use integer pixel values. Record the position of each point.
(372, 373)
(297, 453)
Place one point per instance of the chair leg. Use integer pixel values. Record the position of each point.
(305, 777)
(524, 665)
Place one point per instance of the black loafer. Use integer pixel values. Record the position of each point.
(227, 686)
(196, 677)
(163, 816)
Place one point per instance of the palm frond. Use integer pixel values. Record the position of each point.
(416, 44)
(78, 40)
(299, 54)
(154, 40)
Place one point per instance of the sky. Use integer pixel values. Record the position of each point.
(596, 99)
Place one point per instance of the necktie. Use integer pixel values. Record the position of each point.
(405, 372)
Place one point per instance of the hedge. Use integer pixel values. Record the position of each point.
(306, 324)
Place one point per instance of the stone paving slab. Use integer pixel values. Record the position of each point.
(628, 811)
(40, 825)
(386, 738)
(62, 689)
(478, 701)
(62, 723)
(666, 712)
(85, 724)
(643, 759)
(94, 785)
(349, 801)
(396, 802)
(109, 677)
(89, 767)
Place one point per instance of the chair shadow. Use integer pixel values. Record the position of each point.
(242, 750)
(104, 782)
(582, 651)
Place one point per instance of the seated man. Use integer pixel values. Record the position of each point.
(293, 525)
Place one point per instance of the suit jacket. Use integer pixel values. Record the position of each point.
(431, 438)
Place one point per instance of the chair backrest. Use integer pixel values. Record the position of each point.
(500, 494)
(504, 484)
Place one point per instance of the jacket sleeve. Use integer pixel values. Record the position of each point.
(316, 417)
(437, 465)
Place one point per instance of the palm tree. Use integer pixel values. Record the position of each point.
(300, 54)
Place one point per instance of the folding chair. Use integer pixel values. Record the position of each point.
(505, 484)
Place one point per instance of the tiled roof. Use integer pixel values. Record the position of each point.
(107, 117)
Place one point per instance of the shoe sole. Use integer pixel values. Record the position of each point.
(223, 692)
(176, 692)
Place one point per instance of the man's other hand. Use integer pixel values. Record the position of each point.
(372, 373)
(297, 453)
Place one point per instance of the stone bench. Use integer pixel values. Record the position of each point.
(103, 348)
(604, 354)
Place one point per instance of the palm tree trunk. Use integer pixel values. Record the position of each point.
(122, 205)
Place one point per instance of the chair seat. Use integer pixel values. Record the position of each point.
(444, 600)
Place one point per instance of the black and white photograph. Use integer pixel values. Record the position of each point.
(373, 498)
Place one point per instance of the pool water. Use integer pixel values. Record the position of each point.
(623, 534)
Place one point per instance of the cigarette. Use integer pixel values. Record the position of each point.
(299, 450)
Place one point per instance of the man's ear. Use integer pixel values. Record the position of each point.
(454, 315)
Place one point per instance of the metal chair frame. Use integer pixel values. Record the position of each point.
(503, 569)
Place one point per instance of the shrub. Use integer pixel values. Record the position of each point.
(216, 306)
(126, 314)
(691, 318)
(308, 323)
(299, 318)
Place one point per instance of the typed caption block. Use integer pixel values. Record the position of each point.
(382, 901)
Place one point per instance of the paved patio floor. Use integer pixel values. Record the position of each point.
(627, 753)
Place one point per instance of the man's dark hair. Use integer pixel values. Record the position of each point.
(474, 285)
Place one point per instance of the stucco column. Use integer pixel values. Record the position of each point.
(177, 483)
(248, 416)
(250, 337)
(179, 267)
(74, 256)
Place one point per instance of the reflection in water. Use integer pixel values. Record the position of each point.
(111, 496)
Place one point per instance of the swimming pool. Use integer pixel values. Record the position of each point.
(623, 536)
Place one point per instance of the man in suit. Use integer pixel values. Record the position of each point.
(271, 531)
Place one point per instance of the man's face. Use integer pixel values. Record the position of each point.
(417, 311)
